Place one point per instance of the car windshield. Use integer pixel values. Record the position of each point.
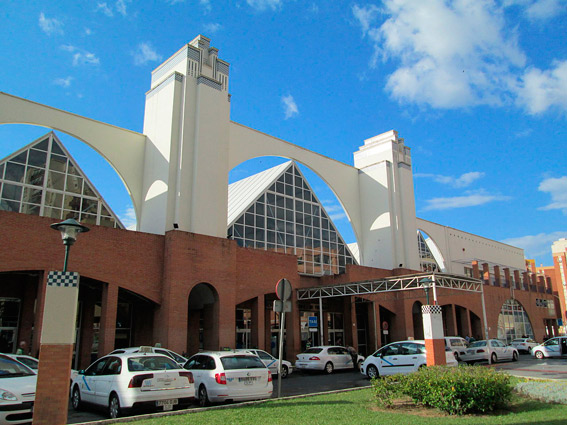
(241, 362)
(478, 344)
(143, 363)
(11, 368)
(315, 350)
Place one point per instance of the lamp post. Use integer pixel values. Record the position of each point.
(69, 229)
(426, 284)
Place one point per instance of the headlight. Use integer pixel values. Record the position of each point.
(7, 395)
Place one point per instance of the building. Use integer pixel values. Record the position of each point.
(200, 269)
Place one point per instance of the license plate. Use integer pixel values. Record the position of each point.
(167, 404)
(248, 380)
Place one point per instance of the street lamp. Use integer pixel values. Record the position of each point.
(426, 284)
(69, 229)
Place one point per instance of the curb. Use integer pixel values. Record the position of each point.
(204, 409)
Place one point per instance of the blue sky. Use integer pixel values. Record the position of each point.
(478, 90)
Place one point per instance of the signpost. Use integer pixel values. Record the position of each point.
(283, 291)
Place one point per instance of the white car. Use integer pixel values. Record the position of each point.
(490, 350)
(126, 381)
(400, 357)
(229, 376)
(327, 358)
(524, 344)
(33, 363)
(457, 345)
(270, 361)
(180, 360)
(17, 391)
(553, 347)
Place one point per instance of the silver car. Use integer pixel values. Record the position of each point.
(490, 350)
(270, 361)
(327, 358)
(17, 391)
(229, 376)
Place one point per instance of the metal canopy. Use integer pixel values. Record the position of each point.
(398, 283)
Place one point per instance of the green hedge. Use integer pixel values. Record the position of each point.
(455, 390)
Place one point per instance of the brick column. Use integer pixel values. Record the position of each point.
(433, 334)
(351, 334)
(86, 332)
(517, 280)
(541, 284)
(486, 273)
(258, 323)
(27, 317)
(38, 320)
(476, 270)
(507, 277)
(526, 281)
(497, 277)
(107, 332)
(533, 286)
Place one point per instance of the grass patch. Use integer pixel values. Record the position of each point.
(359, 407)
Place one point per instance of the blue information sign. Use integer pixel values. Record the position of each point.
(312, 321)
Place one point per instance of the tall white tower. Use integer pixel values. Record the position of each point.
(389, 236)
(187, 121)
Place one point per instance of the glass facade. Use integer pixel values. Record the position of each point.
(288, 218)
(513, 322)
(43, 179)
(427, 260)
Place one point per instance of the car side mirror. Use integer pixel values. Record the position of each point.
(81, 372)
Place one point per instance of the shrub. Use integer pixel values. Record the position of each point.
(386, 389)
(455, 390)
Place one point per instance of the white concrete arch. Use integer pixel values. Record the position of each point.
(123, 149)
(435, 250)
(246, 143)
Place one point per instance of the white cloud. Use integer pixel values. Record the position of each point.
(463, 180)
(536, 245)
(541, 90)
(469, 200)
(262, 5)
(212, 28)
(145, 53)
(449, 54)
(557, 188)
(545, 9)
(80, 56)
(63, 82)
(121, 7)
(103, 7)
(334, 210)
(88, 31)
(128, 218)
(50, 25)
(290, 107)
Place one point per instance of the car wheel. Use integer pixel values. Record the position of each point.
(530, 350)
(285, 371)
(203, 396)
(329, 368)
(515, 356)
(456, 354)
(539, 355)
(359, 365)
(372, 372)
(114, 407)
(493, 358)
(76, 399)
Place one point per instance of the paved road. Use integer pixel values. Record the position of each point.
(306, 383)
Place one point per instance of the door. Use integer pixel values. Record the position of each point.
(411, 357)
(389, 359)
(270, 362)
(340, 357)
(195, 365)
(105, 381)
(87, 381)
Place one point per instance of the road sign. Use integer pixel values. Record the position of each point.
(282, 306)
(385, 325)
(313, 321)
(283, 289)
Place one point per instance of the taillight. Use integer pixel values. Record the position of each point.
(220, 378)
(136, 381)
(314, 358)
(188, 375)
(269, 376)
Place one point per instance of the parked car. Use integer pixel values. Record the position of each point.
(327, 358)
(126, 381)
(229, 376)
(524, 344)
(551, 348)
(17, 391)
(270, 361)
(400, 357)
(457, 345)
(491, 350)
(180, 360)
(33, 363)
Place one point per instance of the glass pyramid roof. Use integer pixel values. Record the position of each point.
(43, 179)
(277, 210)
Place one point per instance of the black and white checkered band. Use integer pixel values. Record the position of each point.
(67, 279)
(431, 309)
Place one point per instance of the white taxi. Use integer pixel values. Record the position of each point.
(400, 357)
(229, 376)
(17, 391)
(122, 382)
